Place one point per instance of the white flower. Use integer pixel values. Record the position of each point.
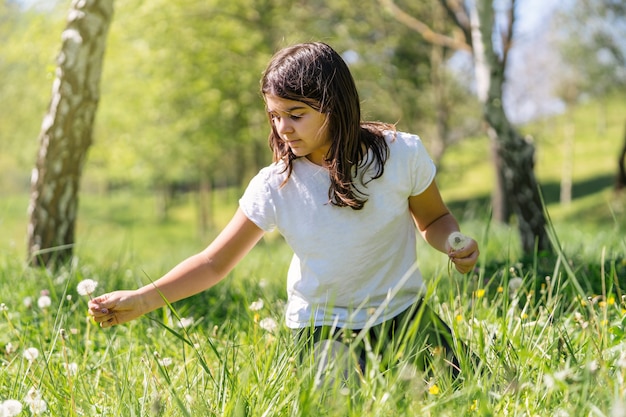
(515, 284)
(28, 302)
(185, 322)
(256, 305)
(86, 287)
(10, 408)
(9, 348)
(38, 406)
(31, 354)
(165, 362)
(44, 302)
(457, 240)
(268, 324)
(72, 368)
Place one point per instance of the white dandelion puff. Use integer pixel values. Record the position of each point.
(256, 305)
(44, 302)
(515, 284)
(185, 322)
(11, 408)
(86, 287)
(31, 354)
(268, 324)
(457, 240)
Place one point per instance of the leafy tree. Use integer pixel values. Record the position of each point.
(488, 34)
(66, 133)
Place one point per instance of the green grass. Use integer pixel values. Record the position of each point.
(552, 347)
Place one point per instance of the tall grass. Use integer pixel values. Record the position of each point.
(548, 345)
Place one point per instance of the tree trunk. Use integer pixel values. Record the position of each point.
(620, 181)
(514, 156)
(66, 133)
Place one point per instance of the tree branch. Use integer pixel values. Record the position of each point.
(427, 33)
(459, 16)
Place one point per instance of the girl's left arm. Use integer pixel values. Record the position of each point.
(436, 223)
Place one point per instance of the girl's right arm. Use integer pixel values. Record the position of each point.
(193, 275)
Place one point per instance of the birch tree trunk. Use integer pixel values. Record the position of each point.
(66, 133)
(514, 155)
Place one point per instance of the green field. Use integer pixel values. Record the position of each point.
(553, 347)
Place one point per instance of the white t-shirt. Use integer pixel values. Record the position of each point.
(346, 262)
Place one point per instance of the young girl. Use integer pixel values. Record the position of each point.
(347, 196)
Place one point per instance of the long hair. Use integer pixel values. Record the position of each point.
(315, 74)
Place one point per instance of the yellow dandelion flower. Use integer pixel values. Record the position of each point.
(623, 311)
(602, 304)
(500, 289)
(433, 390)
(611, 300)
(459, 318)
(524, 316)
(480, 293)
(474, 405)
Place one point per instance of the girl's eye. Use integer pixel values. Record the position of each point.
(294, 117)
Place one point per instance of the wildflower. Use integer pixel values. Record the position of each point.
(515, 284)
(3, 307)
(86, 287)
(36, 404)
(433, 389)
(459, 318)
(480, 293)
(9, 348)
(28, 302)
(457, 240)
(10, 408)
(268, 324)
(31, 354)
(500, 289)
(165, 362)
(256, 305)
(611, 300)
(44, 301)
(71, 368)
(185, 322)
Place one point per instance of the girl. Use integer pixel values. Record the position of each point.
(347, 197)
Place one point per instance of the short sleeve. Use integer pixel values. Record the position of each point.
(257, 202)
(423, 168)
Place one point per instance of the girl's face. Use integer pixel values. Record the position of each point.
(302, 127)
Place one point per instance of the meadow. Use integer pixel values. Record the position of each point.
(549, 332)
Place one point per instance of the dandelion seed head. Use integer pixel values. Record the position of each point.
(268, 324)
(3, 307)
(28, 302)
(86, 287)
(515, 284)
(38, 406)
(457, 240)
(165, 362)
(71, 368)
(10, 408)
(256, 305)
(9, 348)
(44, 302)
(31, 354)
(185, 322)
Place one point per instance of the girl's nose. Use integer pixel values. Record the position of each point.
(283, 125)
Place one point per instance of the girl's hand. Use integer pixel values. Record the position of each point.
(463, 252)
(116, 308)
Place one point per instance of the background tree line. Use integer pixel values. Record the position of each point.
(179, 104)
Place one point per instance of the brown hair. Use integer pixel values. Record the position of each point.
(315, 74)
